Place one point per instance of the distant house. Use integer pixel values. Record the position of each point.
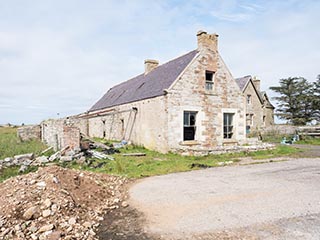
(259, 110)
(191, 102)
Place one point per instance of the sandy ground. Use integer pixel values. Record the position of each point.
(278, 200)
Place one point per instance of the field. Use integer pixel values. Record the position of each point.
(11, 145)
(153, 163)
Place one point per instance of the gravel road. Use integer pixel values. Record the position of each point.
(279, 200)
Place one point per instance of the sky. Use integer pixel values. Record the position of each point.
(58, 57)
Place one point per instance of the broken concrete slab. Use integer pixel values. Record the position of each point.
(24, 156)
(66, 159)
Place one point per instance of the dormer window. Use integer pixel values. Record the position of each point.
(209, 80)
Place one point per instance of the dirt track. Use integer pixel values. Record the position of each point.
(265, 201)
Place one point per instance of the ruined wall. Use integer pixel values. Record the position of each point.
(59, 133)
(269, 117)
(279, 129)
(26, 133)
(189, 94)
(254, 108)
(146, 127)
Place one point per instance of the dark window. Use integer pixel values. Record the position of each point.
(189, 125)
(209, 80)
(104, 128)
(228, 125)
(248, 99)
(122, 128)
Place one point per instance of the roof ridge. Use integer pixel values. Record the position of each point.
(145, 86)
(153, 69)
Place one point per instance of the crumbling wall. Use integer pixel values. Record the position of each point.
(59, 133)
(279, 129)
(26, 133)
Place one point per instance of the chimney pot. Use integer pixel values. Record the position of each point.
(149, 65)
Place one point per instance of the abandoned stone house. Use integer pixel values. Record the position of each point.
(259, 110)
(189, 103)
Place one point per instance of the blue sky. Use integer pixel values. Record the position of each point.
(60, 57)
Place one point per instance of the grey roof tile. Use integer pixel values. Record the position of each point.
(242, 82)
(145, 86)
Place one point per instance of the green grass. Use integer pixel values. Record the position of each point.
(309, 140)
(11, 145)
(9, 172)
(155, 163)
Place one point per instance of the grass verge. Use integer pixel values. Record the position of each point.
(155, 163)
(309, 140)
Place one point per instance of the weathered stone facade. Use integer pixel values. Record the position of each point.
(143, 123)
(26, 133)
(254, 108)
(158, 123)
(188, 93)
(259, 110)
(63, 132)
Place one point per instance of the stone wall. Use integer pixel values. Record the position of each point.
(254, 111)
(59, 133)
(280, 129)
(26, 133)
(146, 126)
(189, 94)
(268, 113)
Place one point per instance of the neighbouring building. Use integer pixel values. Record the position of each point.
(191, 102)
(259, 110)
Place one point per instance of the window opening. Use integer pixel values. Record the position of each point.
(209, 80)
(189, 125)
(228, 125)
(248, 99)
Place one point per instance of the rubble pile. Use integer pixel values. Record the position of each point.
(66, 154)
(57, 203)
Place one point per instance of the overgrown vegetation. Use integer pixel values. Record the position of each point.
(155, 163)
(11, 145)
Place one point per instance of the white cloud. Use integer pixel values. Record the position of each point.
(61, 56)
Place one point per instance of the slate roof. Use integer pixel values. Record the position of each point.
(242, 82)
(145, 86)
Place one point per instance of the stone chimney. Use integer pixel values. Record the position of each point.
(256, 83)
(208, 41)
(149, 65)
